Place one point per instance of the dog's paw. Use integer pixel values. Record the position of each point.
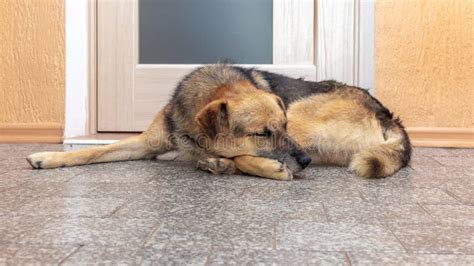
(44, 160)
(218, 166)
(281, 172)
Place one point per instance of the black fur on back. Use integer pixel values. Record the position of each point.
(290, 90)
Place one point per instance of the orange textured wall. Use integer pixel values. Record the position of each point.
(32, 75)
(424, 61)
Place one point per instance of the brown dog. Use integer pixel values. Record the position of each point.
(233, 119)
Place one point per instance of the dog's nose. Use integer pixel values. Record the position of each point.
(303, 159)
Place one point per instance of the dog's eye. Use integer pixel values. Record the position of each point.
(266, 134)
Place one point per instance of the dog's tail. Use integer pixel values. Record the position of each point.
(386, 158)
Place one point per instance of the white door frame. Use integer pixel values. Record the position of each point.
(349, 58)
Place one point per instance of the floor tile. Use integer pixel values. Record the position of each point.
(169, 207)
(34, 255)
(417, 160)
(12, 227)
(448, 152)
(135, 176)
(105, 255)
(71, 207)
(461, 189)
(375, 258)
(433, 238)
(158, 212)
(408, 195)
(304, 235)
(372, 213)
(276, 257)
(174, 255)
(106, 232)
(13, 198)
(456, 161)
(245, 234)
(183, 234)
(269, 211)
(452, 214)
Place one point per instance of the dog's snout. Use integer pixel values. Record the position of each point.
(303, 159)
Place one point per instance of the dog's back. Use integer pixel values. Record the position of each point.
(343, 125)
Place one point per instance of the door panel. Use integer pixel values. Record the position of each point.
(131, 93)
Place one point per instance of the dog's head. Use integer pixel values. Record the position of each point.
(248, 121)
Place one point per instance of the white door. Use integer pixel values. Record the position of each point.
(146, 46)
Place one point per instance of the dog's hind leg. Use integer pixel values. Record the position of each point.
(155, 140)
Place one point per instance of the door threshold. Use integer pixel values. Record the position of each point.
(97, 139)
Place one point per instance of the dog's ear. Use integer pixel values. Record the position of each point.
(213, 118)
(281, 104)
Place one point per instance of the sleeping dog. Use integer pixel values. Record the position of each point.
(237, 120)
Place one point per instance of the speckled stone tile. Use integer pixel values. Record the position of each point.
(106, 190)
(157, 212)
(304, 235)
(11, 227)
(71, 207)
(452, 214)
(463, 161)
(13, 198)
(301, 190)
(276, 257)
(375, 258)
(13, 254)
(245, 234)
(106, 232)
(446, 152)
(69, 189)
(434, 238)
(373, 213)
(104, 176)
(183, 234)
(427, 179)
(407, 195)
(164, 207)
(16, 178)
(175, 255)
(270, 211)
(418, 160)
(91, 254)
(461, 189)
(8, 182)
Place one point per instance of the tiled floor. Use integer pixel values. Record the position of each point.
(168, 212)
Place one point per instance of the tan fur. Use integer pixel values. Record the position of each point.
(341, 131)
(218, 117)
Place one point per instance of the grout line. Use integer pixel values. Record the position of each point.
(150, 238)
(452, 195)
(399, 241)
(426, 211)
(116, 209)
(347, 258)
(70, 254)
(361, 195)
(326, 212)
(208, 257)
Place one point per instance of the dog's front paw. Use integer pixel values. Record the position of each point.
(45, 160)
(218, 166)
(281, 172)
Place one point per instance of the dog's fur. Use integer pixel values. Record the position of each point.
(233, 119)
